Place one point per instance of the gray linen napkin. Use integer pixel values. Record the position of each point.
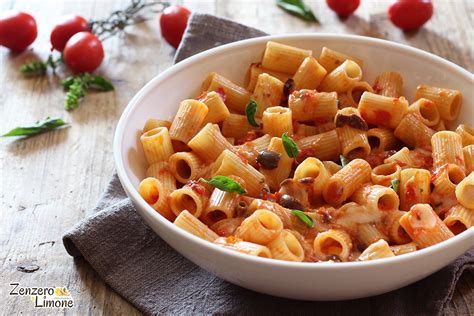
(144, 270)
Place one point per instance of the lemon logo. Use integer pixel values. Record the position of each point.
(62, 291)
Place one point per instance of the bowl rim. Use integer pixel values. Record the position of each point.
(132, 192)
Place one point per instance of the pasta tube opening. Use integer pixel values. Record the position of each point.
(261, 227)
(333, 243)
(286, 247)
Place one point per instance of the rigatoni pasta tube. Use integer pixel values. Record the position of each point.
(221, 205)
(377, 198)
(313, 168)
(367, 234)
(396, 233)
(382, 111)
(155, 193)
(402, 158)
(425, 227)
(427, 111)
(381, 139)
(283, 58)
(157, 145)
(468, 152)
(403, 249)
(465, 191)
(413, 132)
(154, 123)
(218, 111)
(466, 133)
(256, 70)
(445, 180)
(187, 166)
(389, 84)
(342, 78)
(332, 167)
(228, 164)
(331, 59)
(277, 120)
(354, 142)
(209, 143)
(312, 106)
(447, 148)
(191, 224)
(249, 248)
(459, 219)
(384, 174)
(286, 247)
(324, 146)
(237, 126)
(191, 197)
(275, 176)
(334, 242)
(355, 92)
(309, 75)
(447, 101)
(188, 120)
(414, 187)
(261, 227)
(378, 250)
(346, 181)
(236, 97)
(268, 93)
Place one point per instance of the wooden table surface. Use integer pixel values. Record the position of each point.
(52, 181)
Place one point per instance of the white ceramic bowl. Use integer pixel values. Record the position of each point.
(308, 281)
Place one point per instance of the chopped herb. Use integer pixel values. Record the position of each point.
(303, 217)
(77, 87)
(290, 146)
(344, 161)
(250, 110)
(225, 184)
(395, 184)
(297, 8)
(39, 127)
(39, 67)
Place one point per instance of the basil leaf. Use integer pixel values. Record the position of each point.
(344, 161)
(297, 8)
(250, 110)
(303, 217)
(225, 184)
(290, 146)
(101, 83)
(395, 184)
(39, 127)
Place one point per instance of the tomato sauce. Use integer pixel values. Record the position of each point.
(382, 117)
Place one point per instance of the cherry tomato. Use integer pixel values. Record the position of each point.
(343, 7)
(66, 28)
(83, 52)
(410, 14)
(17, 30)
(173, 21)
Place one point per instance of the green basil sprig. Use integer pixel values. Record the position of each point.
(250, 110)
(298, 8)
(225, 184)
(290, 146)
(77, 87)
(303, 217)
(395, 184)
(39, 127)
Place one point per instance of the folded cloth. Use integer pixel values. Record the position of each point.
(144, 270)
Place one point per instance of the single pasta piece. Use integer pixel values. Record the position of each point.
(468, 152)
(154, 123)
(465, 191)
(311, 106)
(324, 146)
(237, 126)
(354, 141)
(459, 219)
(244, 247)
(157, 145)
(384, 174)
(342, 78)
(381, 139)
(382, 111)
(268, 93)
(466, 133)
(377, 198)
(378, 250)
(228, 164)
(355, 92)
(332, 167)
(334, 242)
(414, 187)
(314, 169)
(209, 143)
(286, 247)
(413, 132)
(188, 120)
(402, 158)
(236, 97)
(218, 111)
(275, 176)
(325, 127)
(283, 213)
(389, 84)
(309, 75)
(447, 148)
(261, 227)
(396, 233)
(425, 227)
(187, 166)
(445, 180)
(256, 70)
(345, 182)
(155, 193)
(277, 120)
(447, 101)
(192, 197)
(221, 205)
(427, 111)
(403, 249)
(304, 130)
(283, 58)
(192, 225)
(367, 234)
(227, 227)
(331, 59)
